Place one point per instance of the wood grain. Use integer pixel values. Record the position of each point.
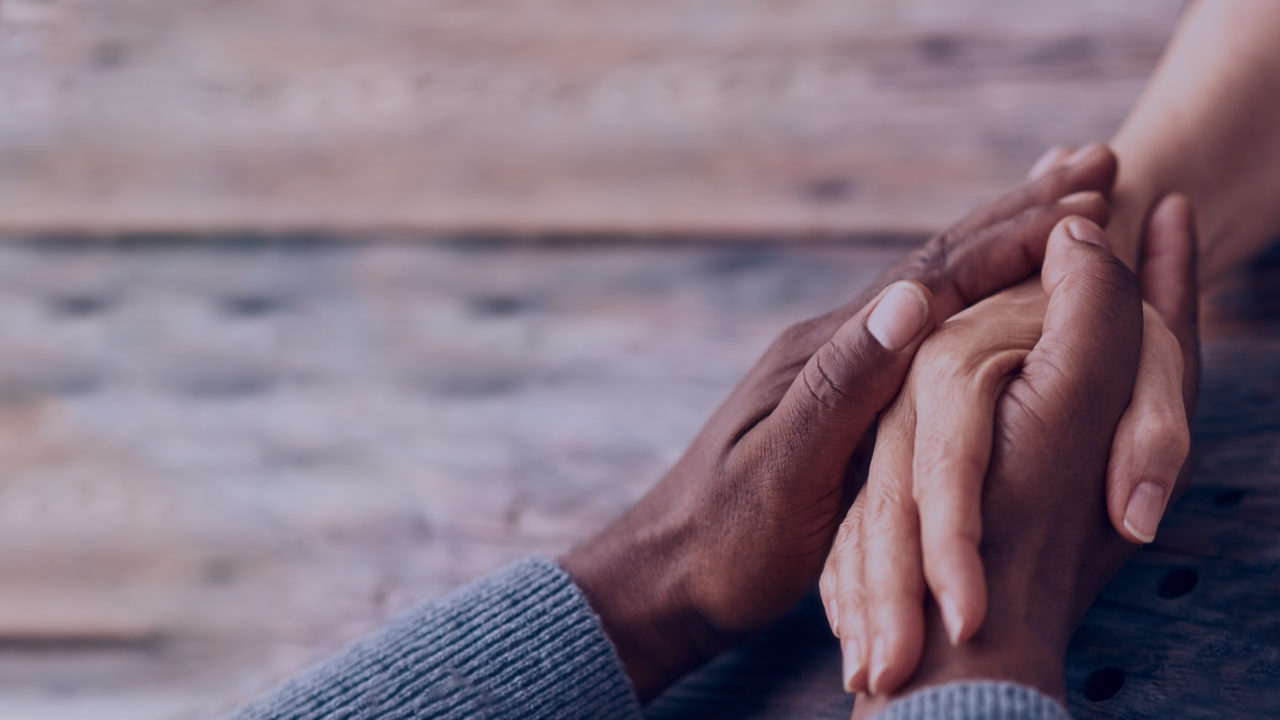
(580, 116)
(224, 458)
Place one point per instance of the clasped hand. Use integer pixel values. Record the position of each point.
(744, 523)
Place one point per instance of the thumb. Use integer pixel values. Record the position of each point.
(1087, 354)
(851, 378)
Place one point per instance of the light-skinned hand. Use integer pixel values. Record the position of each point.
(737, 531)
(1048, 545)
(917, 530)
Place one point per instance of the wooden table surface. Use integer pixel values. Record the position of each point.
(529, 247)
(225, 458)
(584, 116)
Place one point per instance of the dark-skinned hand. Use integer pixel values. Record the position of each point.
(738, 530)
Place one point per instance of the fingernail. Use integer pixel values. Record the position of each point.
(899, 316)
(951, 617)
(833, 612)
(1080, 198)
(852, 663)
(878, 662)
(1085, 231)
(1142, 514)
(1083, 154)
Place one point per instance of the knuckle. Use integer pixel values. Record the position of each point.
(827, 584)
(848, 536)
(945, 468)
(947, 357)
(849, 527)
(1163, 438)
(929, 261)
(892, 523)
(831, 376)
(885, 500)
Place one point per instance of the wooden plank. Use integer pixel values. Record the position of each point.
(223, 459)
(819, 116)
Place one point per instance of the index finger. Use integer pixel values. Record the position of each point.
(993, 247)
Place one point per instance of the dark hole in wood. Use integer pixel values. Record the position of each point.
(832, 189)
(219, 571)
(1178, 582)
(251, 305)
(78, 305)
(229, 385)
(109, 56)
(500, 305)
(940, 48)
(738, 261)
(1103, 684)
(1229, 498)
(74, 384)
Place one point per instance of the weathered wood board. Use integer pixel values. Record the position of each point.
(664, 116)
(221, 459)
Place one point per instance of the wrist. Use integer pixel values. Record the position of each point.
(638, 580)
(1010, 648)
(1024, 658)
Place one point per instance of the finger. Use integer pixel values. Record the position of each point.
(1152, 440)
(842, 586)
(952, 450)
(1090, 169)
(850, 379)
(961, 269)
(893, 578)
(1169, 281)
(1052, 158)
(1087, 356)
(829, 580)
(999, 244)
(1001, 254)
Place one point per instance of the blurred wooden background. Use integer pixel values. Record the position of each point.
(310, 309)
(714, 116)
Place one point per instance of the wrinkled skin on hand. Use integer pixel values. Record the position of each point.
(737, 532)
(924, 524)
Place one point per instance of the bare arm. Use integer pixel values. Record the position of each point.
(1208, 126)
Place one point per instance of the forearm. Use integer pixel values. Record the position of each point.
(1208, 126)
(521, 643)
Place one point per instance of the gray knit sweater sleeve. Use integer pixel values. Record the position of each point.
(521, 643)
(977, 700)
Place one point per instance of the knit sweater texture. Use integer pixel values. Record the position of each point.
(524, 643)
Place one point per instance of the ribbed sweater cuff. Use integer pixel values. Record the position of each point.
(981, 700)
(520, 643)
